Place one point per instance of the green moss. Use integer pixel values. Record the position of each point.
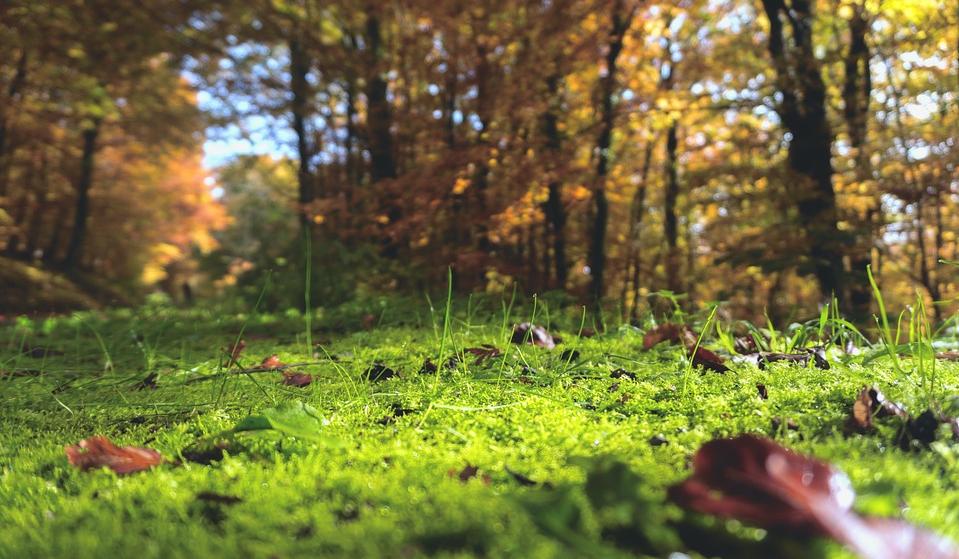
(377, 482)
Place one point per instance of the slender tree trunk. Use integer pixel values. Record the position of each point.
(13, 93)
(82, 210)
(596, 256)
(554, 210)
(638, 211)
(670, 218)
(803, 112)
(299, 69)
(379, 119)
(36, 219)
(857, 91)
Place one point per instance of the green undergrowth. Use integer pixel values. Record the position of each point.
(569, 460)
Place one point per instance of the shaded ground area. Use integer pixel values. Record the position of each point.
(531, 452)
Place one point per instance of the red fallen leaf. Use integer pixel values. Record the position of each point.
(467, 473)
(234, 352)
(672, 333)
(756, 480)
(948, 355)
(293, 378)
(587, 333)
(483, 353)
(272, 363)
(368, 321)
(531, 334)
(98, 451)
(708, 360)
(869, 404)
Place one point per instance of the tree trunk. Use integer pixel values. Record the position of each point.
(670, 219)
(13, 92)
(637, 211)
(597, 247)
(82, 210)
(299, 87)
(803, 112)
(379, 118)
(554, 210)
(857, 91)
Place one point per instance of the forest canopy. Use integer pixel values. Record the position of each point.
(762, 153)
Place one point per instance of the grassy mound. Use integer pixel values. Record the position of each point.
(531, 453)
(27, 289)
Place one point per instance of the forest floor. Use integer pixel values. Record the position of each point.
(520, 452)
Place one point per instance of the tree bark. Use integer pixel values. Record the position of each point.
(670, 219)
(637, 211)
(299, 87)
(554, 210)
(596, 257)
(379, 118)
(82, 210)
(803, 112)
(13, 92)
(857, 91)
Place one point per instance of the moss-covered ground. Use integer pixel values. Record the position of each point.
(568, 460)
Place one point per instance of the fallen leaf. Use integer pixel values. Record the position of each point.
(233, 352)
(587, 333)
(708, 360)
(870, 403)
(664, 333)
(290, 418)
(483, 353)
(744, 345)
(658, 440)
(428, 368)
(467, 473)
(378, 372)
(920, 431)
(622, 373)
(294, 378)
(368, 321)
(756, 480)
(530, 334)
(819, 359)
(149, 382)
(98, 451)
(272, 363)
(763, 393)
(570, 355)
(948, 355)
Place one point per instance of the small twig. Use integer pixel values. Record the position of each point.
(254, 370)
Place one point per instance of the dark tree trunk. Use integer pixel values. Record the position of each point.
(554, 210)
(13, 92)
(299, 87)
(82, 210)
(597, 248)
(803, 112)
(637, 211)
(670, 219)
(857, 91)
(379, 116)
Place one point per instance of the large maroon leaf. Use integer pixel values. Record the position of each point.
(758, 481)
(532, 334)
(96, 452)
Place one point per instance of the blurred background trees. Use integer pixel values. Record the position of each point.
(758, 152)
